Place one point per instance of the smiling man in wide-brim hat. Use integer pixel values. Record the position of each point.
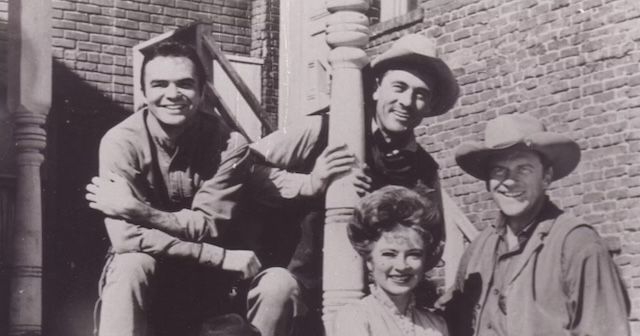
(518, 132)
(402, 86)
(536, 270)
(419, 54)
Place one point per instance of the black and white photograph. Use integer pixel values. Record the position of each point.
(320, 168)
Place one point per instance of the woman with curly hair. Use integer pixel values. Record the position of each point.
(391, 230)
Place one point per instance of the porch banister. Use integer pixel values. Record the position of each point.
(29, 101)
(347, 35)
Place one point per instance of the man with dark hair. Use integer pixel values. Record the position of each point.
(170, 180)
(537, 270)
(411, 84)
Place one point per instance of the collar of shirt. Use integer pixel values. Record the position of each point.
(161, 137)
(410, 144)
(548, 210)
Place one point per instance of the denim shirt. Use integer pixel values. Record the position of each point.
(198, 178)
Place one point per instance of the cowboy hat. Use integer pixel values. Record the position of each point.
(510, 132)
(419, 52)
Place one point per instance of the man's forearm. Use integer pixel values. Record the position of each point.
(149, 217)
(127, 238)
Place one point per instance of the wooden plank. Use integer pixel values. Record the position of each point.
(240, 84)
(251, 71)
(465, 225)
(224, 111)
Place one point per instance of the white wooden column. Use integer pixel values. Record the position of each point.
(347, 35)
(29, 100)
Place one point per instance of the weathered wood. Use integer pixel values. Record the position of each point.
(223, 110)
(244, 90)
(457, 228)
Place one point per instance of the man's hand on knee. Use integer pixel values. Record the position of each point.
(245, 263)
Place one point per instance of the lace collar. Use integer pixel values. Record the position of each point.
(408, 323)
(386, 302)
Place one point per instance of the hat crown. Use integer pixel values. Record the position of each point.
(417, 44)
(412, 44)
(506, 131)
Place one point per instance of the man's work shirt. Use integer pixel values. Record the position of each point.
(560, 280)
(198, 178)
(294, 150)
(493, 320)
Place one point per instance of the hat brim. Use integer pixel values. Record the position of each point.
(563, 154)
(446, 90)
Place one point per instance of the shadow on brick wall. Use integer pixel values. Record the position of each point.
(74, 235)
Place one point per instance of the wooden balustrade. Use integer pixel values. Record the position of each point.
(29, 101)
(347, 35)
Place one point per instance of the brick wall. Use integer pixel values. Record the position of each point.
(93, 38)
(575, 65)
(265, 33)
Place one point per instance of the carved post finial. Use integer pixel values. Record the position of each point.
(347, 35)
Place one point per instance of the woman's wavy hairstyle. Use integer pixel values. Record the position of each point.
(386, 208)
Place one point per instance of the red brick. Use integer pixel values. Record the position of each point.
(80, 17)
(96, 77)
(114, 12)
(151, 27)
(87, 27)
(101, 20)
(137, 16)
(112, 49)
(164, 20)
(186, 4)
(168, 3)
(89, 46)
(76, 35)
(90, 9)
(124, 41)
(66, 5)
(177, 13)
(103, 39)
(127, 24)
(103, 3)
(63, 43)
(127, 5)
(106, 30)
(86, 66)
(152, 9)
(136, 34)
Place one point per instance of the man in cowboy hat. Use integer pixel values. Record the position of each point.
(537, 270)
(411, 83)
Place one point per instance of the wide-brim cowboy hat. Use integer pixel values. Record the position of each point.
(512, 132)
(419, 52)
